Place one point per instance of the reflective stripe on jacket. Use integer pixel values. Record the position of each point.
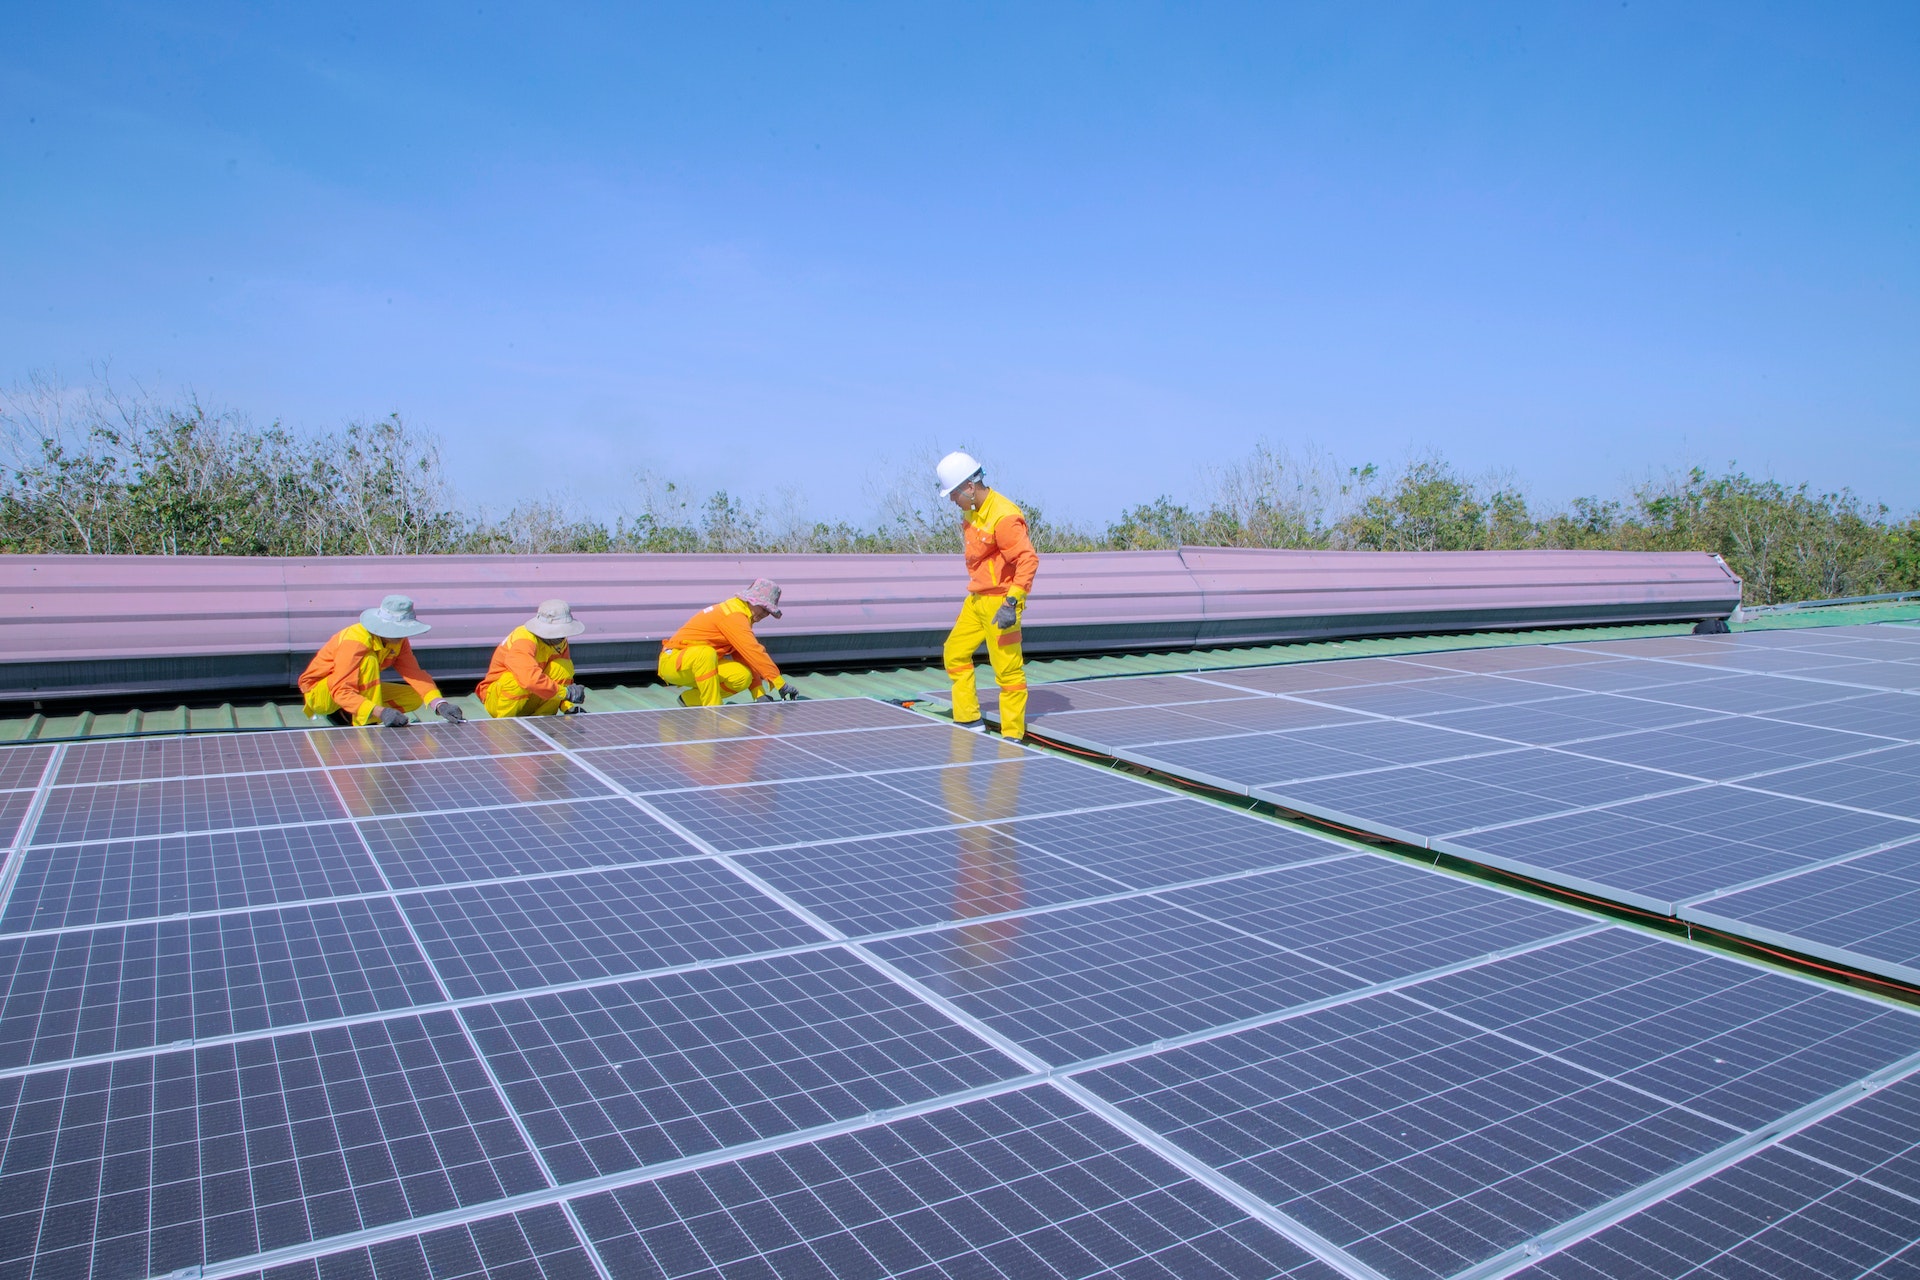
(1000, 556)
(727, 628)
(346, 672)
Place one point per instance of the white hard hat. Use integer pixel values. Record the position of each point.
(955, 470)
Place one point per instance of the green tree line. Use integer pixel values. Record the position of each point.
(97, 472)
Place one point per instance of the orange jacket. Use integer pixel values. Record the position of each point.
(727, 628)
(520, 654)
(1000, 557)
(347, 670)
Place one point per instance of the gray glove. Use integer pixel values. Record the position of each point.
(788, 693)
(1008, 615)
(446, 710)
(576, 694)
(393, 717)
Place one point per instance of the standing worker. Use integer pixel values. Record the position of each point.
(346, 682)
(715, 655)
(532, 672)
(1000, 566)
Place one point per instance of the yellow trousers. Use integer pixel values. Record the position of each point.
(401, 697)
(505, 696)
(971, 629)
(708, 678)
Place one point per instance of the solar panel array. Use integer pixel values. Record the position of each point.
(828, 989)
(1766, 784)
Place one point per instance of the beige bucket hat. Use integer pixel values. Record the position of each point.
(554, 620)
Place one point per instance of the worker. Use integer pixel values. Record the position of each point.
(1000, 566)
(532, 672)
(347, 682)
(715, 655)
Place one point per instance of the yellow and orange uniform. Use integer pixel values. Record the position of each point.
(527, 677)
(347, 677)
(716, 655)
(1001, 564)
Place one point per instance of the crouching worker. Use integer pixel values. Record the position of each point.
(532, 672)
(347, 680)
(715, 655)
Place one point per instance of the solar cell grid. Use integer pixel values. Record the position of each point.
(771, 814)
(150, 1164)
(1669, 849)
(1728, 1040)
(1746, 695)
(1840, 1199)
(645, 728)
(86, 884)
(463, 784)
(1085, 981)
(125, 987)
(1169, 843)
(1156, 691)
(449, 848)
(23, 766)
(1885, 782)
(620, 1076)
(864, 750)
(1890, 715)
(425, 740)
(14, 806)
(1617, 676)
(142, 759)
(1103, 730)
(1273, 715)
(1721, 750)
(534, 1244)
(1502, 658)
(487, 939)
(1022, 1185)
(1379, 919)
(1774, 1214)
(1864, 913)
(825, 716)
(683, 766)
(1245, 761)
(1418, 1143)
(1430, 697)
(1306, 676)
(934, 877)
(1018, 788)
(1568, 718)
(112, 812)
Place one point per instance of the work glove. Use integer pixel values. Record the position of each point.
(393, 717)
(576, 694)
(1008, 615)
(446, 710)
(788, 693)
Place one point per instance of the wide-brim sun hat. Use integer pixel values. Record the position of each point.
(764, 592)
(393, 619)
(554, 620)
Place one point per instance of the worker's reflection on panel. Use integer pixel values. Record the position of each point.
(987, 870)
(546, 776)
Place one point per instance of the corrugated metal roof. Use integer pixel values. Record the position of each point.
(914, 681)
(106, 626)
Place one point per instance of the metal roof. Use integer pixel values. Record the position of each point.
(910, 681)
(117, 626)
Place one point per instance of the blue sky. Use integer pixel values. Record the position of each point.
(1104, 246)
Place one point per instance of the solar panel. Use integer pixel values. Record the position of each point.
(523, 1012)
(1613, 795)
(1863, 913)
(1838, 1200)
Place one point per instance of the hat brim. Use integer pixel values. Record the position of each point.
(555, 630)
(948, 491)
(388, 629)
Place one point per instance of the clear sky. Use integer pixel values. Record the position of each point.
(1101, 245)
